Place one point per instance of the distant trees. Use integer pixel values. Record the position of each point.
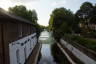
(86, 16)
(63, 21)
(85, 13)
(24, 13)
(93, 17)
(21, 11)
(43, 27)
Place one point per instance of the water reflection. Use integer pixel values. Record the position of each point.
(44, 35)
(51, 54)
(46, 55)
(59, 57)
(46, 40)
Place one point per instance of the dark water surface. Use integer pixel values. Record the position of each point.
(47, 57)
(46, 40)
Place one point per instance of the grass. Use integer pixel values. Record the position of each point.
(87, 42)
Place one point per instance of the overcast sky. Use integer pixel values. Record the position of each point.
(44, 7)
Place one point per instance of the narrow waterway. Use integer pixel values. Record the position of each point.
(46, 40)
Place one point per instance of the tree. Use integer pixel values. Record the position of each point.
(61, 22)
(51, 23)
(85, 13)
(84, 16)
(93, 17)
(24, 13)
(21, 11)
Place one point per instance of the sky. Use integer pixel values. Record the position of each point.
(44, 8)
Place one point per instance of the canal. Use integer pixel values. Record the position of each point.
(47, 41)
(50, 52)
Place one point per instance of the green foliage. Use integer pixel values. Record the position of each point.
(86, 16)
(61, 21)
(86, 6)
(38, 29)
(85, 12)
(89, 43)
(51, 23)
(42, 27)
(93, 15)
(23, 12)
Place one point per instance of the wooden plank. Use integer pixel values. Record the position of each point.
(0, 45)
(34, 56)
(1, 51)
(10, 35)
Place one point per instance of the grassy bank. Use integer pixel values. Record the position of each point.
(87, 42)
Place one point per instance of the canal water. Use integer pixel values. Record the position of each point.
(47, 40)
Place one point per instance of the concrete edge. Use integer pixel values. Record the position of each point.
(68, 57)
(36, 60)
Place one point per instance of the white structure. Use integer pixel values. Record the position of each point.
(79, 54)
(21, 49)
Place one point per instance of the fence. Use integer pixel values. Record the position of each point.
(17, 39)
